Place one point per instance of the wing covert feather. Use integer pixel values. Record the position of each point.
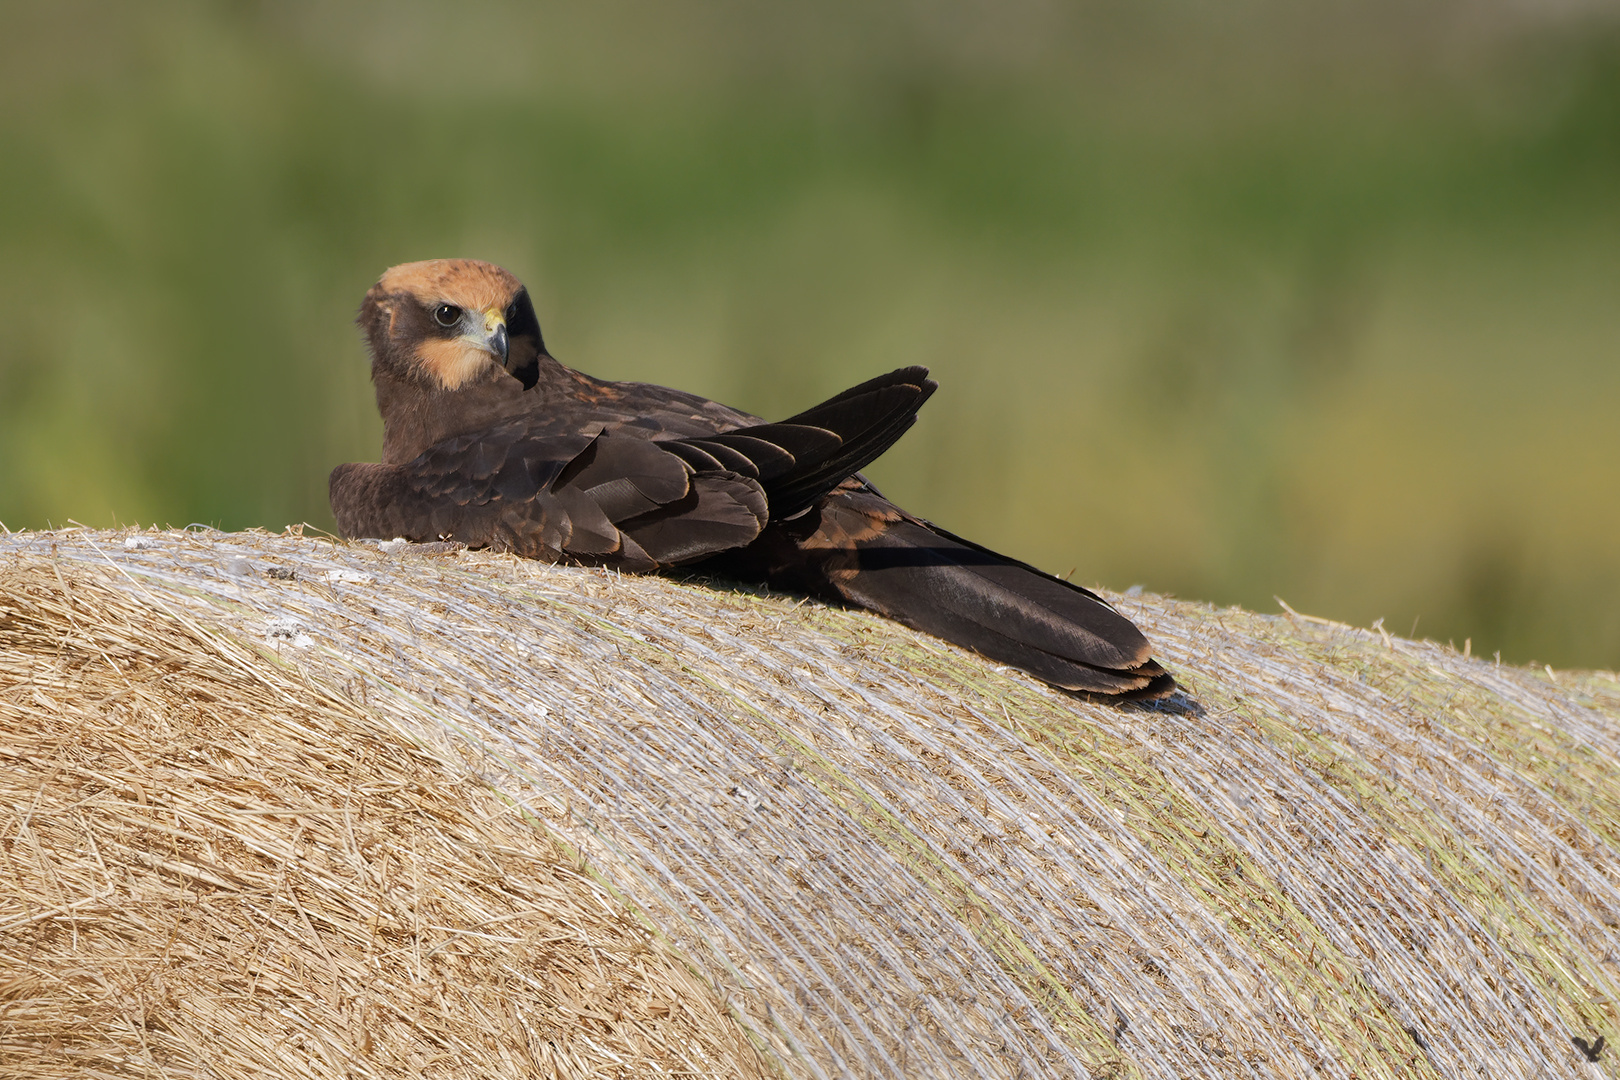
(629, 503)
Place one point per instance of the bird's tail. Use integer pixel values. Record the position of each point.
(1005, 609)
(863, 550)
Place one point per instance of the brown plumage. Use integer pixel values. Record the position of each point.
(490, 441)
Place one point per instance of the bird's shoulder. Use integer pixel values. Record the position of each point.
(580, 403)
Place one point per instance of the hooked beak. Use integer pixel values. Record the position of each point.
(495, 338)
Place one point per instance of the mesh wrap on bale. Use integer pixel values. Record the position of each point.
(372, 791)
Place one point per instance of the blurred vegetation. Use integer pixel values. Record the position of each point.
(1234, 301)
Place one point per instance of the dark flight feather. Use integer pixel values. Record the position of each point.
(1008, 611)
(722, 511)
(692, 452)
(522, 454)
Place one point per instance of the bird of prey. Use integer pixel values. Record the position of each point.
(489, 441)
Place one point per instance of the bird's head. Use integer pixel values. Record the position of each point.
(447, 323)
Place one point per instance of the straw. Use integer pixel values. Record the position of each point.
(1339, 854)
(212, 868)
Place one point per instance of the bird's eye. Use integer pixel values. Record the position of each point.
(447, 314)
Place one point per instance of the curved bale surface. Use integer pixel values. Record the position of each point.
(212, 869)
(1341, 854)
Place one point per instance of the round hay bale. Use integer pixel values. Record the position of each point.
(1339, 854)
(215, 869)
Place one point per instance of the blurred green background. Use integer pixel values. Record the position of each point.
(1319, 301)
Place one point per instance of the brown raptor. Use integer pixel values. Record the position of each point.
(489, 441)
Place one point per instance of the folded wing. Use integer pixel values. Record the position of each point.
(618, 500)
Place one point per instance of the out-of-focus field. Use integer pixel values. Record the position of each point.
(1232, 301)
